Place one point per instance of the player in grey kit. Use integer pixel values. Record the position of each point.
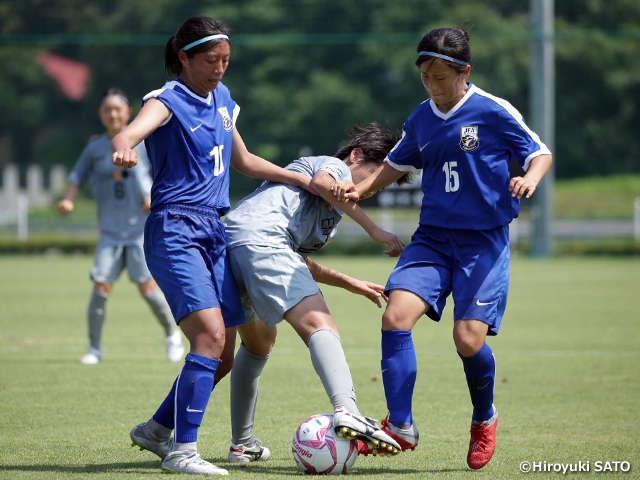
(270, 234)
(122, 198)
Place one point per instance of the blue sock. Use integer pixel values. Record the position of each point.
(164, 414)
(480, 369)
(193, 389)
(399, 369)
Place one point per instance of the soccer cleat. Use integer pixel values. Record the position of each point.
(407, 438)
(483, 442)
(191, 463)
(242, 454)
(175, 349)
(140, 438)
(92, 357)
(365, 429)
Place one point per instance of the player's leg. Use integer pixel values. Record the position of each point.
(480, 370)
(312, 321)
(107, 266)
(257, 342)
(192, 282)
(480, 295)
(95, 321)
(399, 364)
(418, 285)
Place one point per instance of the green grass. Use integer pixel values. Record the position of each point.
(567, 385)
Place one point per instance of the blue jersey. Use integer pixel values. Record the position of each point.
(464, 157)
(190, 153)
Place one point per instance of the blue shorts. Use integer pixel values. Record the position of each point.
(472, 265)
(185, 248)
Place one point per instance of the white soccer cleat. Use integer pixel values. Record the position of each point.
(243, 454)
(190, 463)
(175, 349)
(92, 357)
(140, 438)
(353, 427)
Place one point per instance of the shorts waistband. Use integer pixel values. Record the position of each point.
(195, 209)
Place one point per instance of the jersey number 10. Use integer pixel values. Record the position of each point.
(452, 180)
(218, 165)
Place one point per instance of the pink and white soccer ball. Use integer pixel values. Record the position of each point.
(318, 450)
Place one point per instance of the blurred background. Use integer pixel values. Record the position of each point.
(303, 72)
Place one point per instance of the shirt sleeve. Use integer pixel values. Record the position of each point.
(405, 156)
(522, 142)
(336, 168)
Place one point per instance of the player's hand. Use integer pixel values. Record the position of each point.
(395, 244)
(522, 186)
(126, 158)
(345, 190)
(64, 206)
(372, 291)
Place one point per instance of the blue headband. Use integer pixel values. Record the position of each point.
(443, 57)
(205, 39)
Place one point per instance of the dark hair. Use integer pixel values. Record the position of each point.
(114, 91)
(193, 29)
(452, 42)
(376, 141)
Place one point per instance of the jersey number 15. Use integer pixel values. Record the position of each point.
(452, 179)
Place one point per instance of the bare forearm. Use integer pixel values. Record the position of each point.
(327, 276)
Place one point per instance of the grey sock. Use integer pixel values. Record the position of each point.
(331, 366)
(245, 378)
(157, 432)
(95, 317)
(161, 310)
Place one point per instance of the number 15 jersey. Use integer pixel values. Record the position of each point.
(464, 157)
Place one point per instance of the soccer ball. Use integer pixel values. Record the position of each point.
(318, 450)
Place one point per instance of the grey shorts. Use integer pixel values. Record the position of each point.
(270, 281)
(111, 260)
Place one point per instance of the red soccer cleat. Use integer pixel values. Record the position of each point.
(406, 438)
(483, 442)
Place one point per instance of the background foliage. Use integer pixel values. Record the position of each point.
(305, 70)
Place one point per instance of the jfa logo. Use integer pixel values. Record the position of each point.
(469, 138)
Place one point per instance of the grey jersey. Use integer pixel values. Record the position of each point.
(119, 193)
(284, 216)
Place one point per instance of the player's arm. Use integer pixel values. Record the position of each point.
(322, 182)
(384, 176)
(322, 274)
(153, 114)
(525, 185)
(253, 166)
(66, 204)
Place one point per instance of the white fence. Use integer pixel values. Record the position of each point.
(15, 201)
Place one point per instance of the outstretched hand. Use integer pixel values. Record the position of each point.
(372, 291)
(345, 190)
(395, 244)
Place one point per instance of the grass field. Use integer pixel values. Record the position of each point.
(567, 388)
